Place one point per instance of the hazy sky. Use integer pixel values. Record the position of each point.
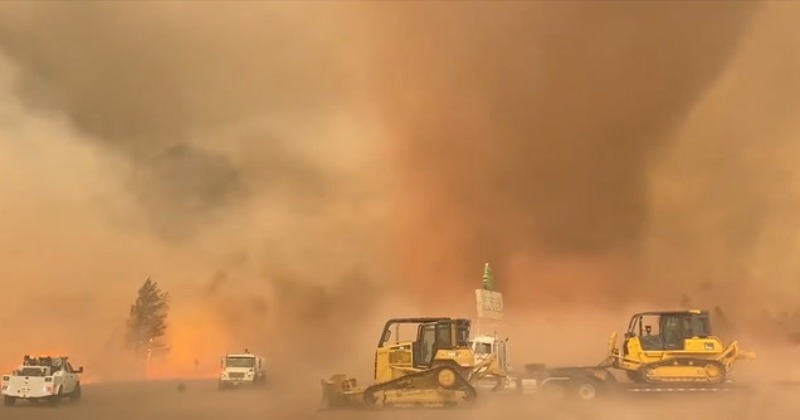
(289, 167)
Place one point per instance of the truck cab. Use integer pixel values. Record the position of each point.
(484, 346)
(241, 369)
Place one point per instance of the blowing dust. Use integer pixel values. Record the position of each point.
(600, 157)
(295, 173)
(220, 149)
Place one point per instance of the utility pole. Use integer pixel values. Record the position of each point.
(149, 358)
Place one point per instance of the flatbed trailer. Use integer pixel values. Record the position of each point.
(592, 382)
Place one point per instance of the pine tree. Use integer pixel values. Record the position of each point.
(147, 321)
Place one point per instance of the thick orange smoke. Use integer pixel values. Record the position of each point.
(210, 146)
(526, 131)
(287, 171)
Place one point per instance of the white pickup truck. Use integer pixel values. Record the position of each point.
(241, 369)
(39, 379)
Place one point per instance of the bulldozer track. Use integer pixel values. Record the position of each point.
(683, 390)
(684, 361)
(411, 382)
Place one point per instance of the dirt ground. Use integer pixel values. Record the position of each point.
(201, 400)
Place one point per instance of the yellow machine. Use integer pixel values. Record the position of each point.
(437, 368)
(674, 347)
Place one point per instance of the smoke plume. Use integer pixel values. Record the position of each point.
(209, 146)
(527, 133)
(282, 169)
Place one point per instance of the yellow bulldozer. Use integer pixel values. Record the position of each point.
(674, 347)
(437, 368)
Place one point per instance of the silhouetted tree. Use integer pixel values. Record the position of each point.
(147, 321)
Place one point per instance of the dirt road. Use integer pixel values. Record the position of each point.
(201, 401)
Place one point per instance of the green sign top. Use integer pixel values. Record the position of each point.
(488, 279)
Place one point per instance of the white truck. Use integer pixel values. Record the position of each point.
(241, 369)
(42, 379)
(486, 345)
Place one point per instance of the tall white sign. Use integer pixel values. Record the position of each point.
(490, 304)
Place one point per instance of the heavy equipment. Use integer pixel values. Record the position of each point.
(663, 352)
(674, 347)
(437, 368)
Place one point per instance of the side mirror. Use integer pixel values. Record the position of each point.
(80, 370)
(387, 335)
(221, 362)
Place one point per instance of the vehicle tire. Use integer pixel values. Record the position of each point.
(55, 399)
(500, 384)
(369, 397)
(9, 401)
(470, 394)
(75, 396)
(586, 390)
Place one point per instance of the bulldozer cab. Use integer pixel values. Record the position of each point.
(432, 336)
(666, 331)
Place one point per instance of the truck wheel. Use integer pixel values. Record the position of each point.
(55, 399)
(500, 384)
(9, 401)
(76, 394)
(586, 391)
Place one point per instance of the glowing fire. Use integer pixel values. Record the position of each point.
(196, 343)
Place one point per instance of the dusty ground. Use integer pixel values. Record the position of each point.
(201, 400)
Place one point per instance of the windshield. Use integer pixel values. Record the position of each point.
(242, 362)
(698, 326)
(463, 333)
(483, 348)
